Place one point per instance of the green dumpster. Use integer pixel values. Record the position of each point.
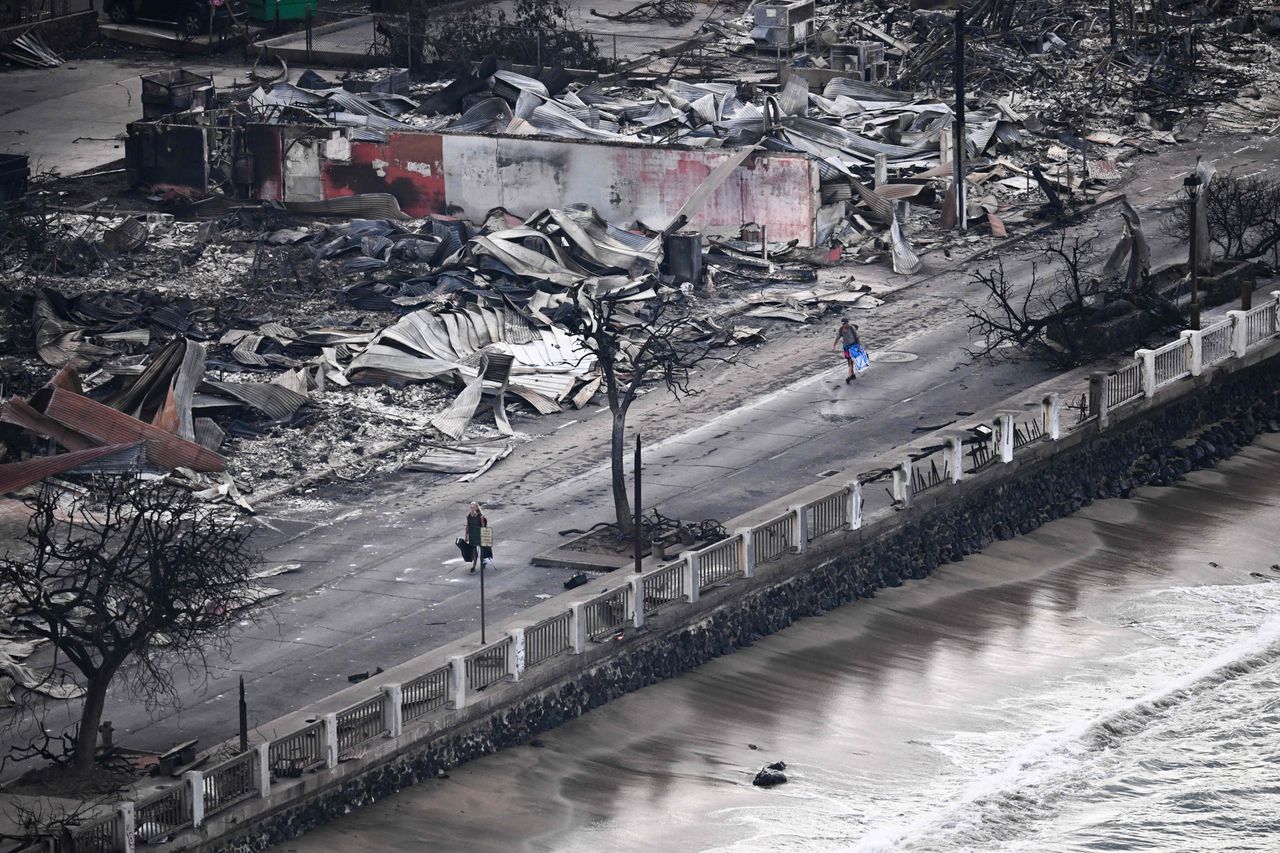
(279, 10)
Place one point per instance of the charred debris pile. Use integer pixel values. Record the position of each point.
(241, 355)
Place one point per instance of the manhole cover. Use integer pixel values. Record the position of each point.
(894, 357)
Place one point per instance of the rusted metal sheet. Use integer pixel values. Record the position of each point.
(468, 175)
(16, 475)
(109, 426)
(18, 412)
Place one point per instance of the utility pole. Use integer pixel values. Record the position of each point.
(958, 144)
(1191, 185)
(636, 531)
(244, 719)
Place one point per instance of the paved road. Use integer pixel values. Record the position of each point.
(72, 118)
(381, 581)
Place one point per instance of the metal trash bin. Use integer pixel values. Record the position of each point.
(683, 251)
(168, 92)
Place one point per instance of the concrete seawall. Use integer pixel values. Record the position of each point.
(1153, 439)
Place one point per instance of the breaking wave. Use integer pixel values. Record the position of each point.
(999, 809)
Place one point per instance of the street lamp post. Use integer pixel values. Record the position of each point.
(959, 128)
(1191, 184)
(636, 543)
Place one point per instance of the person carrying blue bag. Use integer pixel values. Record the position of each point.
(854, 354)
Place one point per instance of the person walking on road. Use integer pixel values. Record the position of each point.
(475, 521)
(847, 338)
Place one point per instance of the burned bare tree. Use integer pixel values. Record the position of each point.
(656, 344)
(1041, 319)
(1243, 218)
(127, 580)
(1058, 315)
(540, 33)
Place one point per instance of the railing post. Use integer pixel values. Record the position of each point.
(263, 751)
(1239, 333)
(517, 653)
(392, 705)
(855, 504)
(330, 729)
(458, 672)
(1051, 416)
(799, 528)
(1098, 398)
(195, 795)
(690, 570)
(1005, 434)
(1195, 343)
(955, 458)
(902, 482)
(637, 600)
(127, 827)
(1275, 327)
(1148, 359)
(746, 551)
(578, 626)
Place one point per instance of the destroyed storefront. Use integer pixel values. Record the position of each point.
(468, 175)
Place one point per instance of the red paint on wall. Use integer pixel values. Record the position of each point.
(410, 166)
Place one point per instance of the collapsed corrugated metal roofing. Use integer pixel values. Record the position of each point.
(109, 426)
(275, 401)
(16, 475)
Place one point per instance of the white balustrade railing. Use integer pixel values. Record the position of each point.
(230, 782)
(296, 753)
(662, 586)
(1261, 323)
(827, 514)
(489, 665)
(1215, 343)
(548, 638)
(1124, 385)
(421, 695)
(361, 723)
(771, 540)
(1172, 362)
(718, 562)
(162, 813)
(607, 613)
(99, 836)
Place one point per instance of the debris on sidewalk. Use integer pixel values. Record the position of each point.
(31, 50)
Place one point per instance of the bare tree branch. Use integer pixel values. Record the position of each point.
(130, 580)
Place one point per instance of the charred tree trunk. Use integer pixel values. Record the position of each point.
(95, 699)
(617, 452)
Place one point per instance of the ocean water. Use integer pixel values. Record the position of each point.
(1110, 682)
(1177, 748)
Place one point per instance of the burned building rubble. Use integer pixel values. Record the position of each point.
(366, 273)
